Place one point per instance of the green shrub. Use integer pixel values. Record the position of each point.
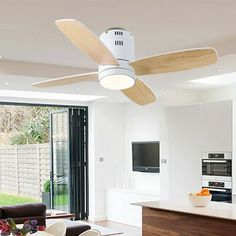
(46, 186)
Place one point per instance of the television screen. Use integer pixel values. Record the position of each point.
(146, 156)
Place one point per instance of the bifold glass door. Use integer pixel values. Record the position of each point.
(60, 160)
(69, 161)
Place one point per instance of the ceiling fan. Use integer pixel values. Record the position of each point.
(113, 51)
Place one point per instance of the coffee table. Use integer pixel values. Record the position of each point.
(56, 214)
(42, 233)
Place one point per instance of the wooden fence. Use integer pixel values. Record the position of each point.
(24, 169)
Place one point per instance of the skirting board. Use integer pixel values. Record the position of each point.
(97, 218)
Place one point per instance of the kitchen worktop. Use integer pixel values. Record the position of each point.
(213, 209)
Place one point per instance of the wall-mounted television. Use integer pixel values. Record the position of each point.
(146, 156)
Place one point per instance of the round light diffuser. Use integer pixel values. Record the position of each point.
(117, 82)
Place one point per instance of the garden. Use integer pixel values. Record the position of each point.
(8, 199)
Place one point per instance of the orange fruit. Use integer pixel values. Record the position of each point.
(205, 190)
(205, 194)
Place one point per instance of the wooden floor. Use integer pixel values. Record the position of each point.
(127, 229)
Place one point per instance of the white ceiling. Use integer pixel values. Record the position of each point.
(28, 34)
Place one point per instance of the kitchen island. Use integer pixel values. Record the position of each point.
(181, 218)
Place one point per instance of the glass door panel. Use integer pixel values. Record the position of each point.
(60, 161)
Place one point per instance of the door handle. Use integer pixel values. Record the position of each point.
(217, 190)
(215, 161)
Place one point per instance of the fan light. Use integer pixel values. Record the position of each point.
(117, 82)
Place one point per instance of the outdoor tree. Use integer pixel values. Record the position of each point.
(34, 129)
(11, 118)
(24, 124)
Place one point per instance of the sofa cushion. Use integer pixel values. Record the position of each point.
(24, 210)
(75, 230)
(21, 213)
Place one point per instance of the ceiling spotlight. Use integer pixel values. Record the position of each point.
(6, 83)
(77, 88)
(219, 70)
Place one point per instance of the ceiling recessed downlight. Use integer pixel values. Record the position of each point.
(117, 82)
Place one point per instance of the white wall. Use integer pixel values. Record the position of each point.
(217, 126)
(179, 131)
(184, 124)
(113, 127)
(106, 141)
(146, 123)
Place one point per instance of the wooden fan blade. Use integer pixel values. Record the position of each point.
(175, 61)
(86, 41)
(67, 80)
(140, 93)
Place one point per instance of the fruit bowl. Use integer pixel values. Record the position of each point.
(199, 201)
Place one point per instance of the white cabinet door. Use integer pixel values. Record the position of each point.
(217, 126)
(132, 214)
(115, 206)
(120, 208)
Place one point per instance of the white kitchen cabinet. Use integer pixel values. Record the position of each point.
(119, 205)
(217, 126)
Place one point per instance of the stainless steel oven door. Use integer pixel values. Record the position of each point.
(221, 195)
(217, 167)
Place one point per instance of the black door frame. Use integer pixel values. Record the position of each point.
(78, 132)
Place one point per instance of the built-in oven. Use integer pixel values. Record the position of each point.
(221, 189)
(217, 164)
(221, 195)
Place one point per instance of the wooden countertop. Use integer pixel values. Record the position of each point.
(213, 209)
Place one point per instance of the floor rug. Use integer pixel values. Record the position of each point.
(104, 230)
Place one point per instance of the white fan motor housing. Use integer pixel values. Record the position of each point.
(121, 43)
